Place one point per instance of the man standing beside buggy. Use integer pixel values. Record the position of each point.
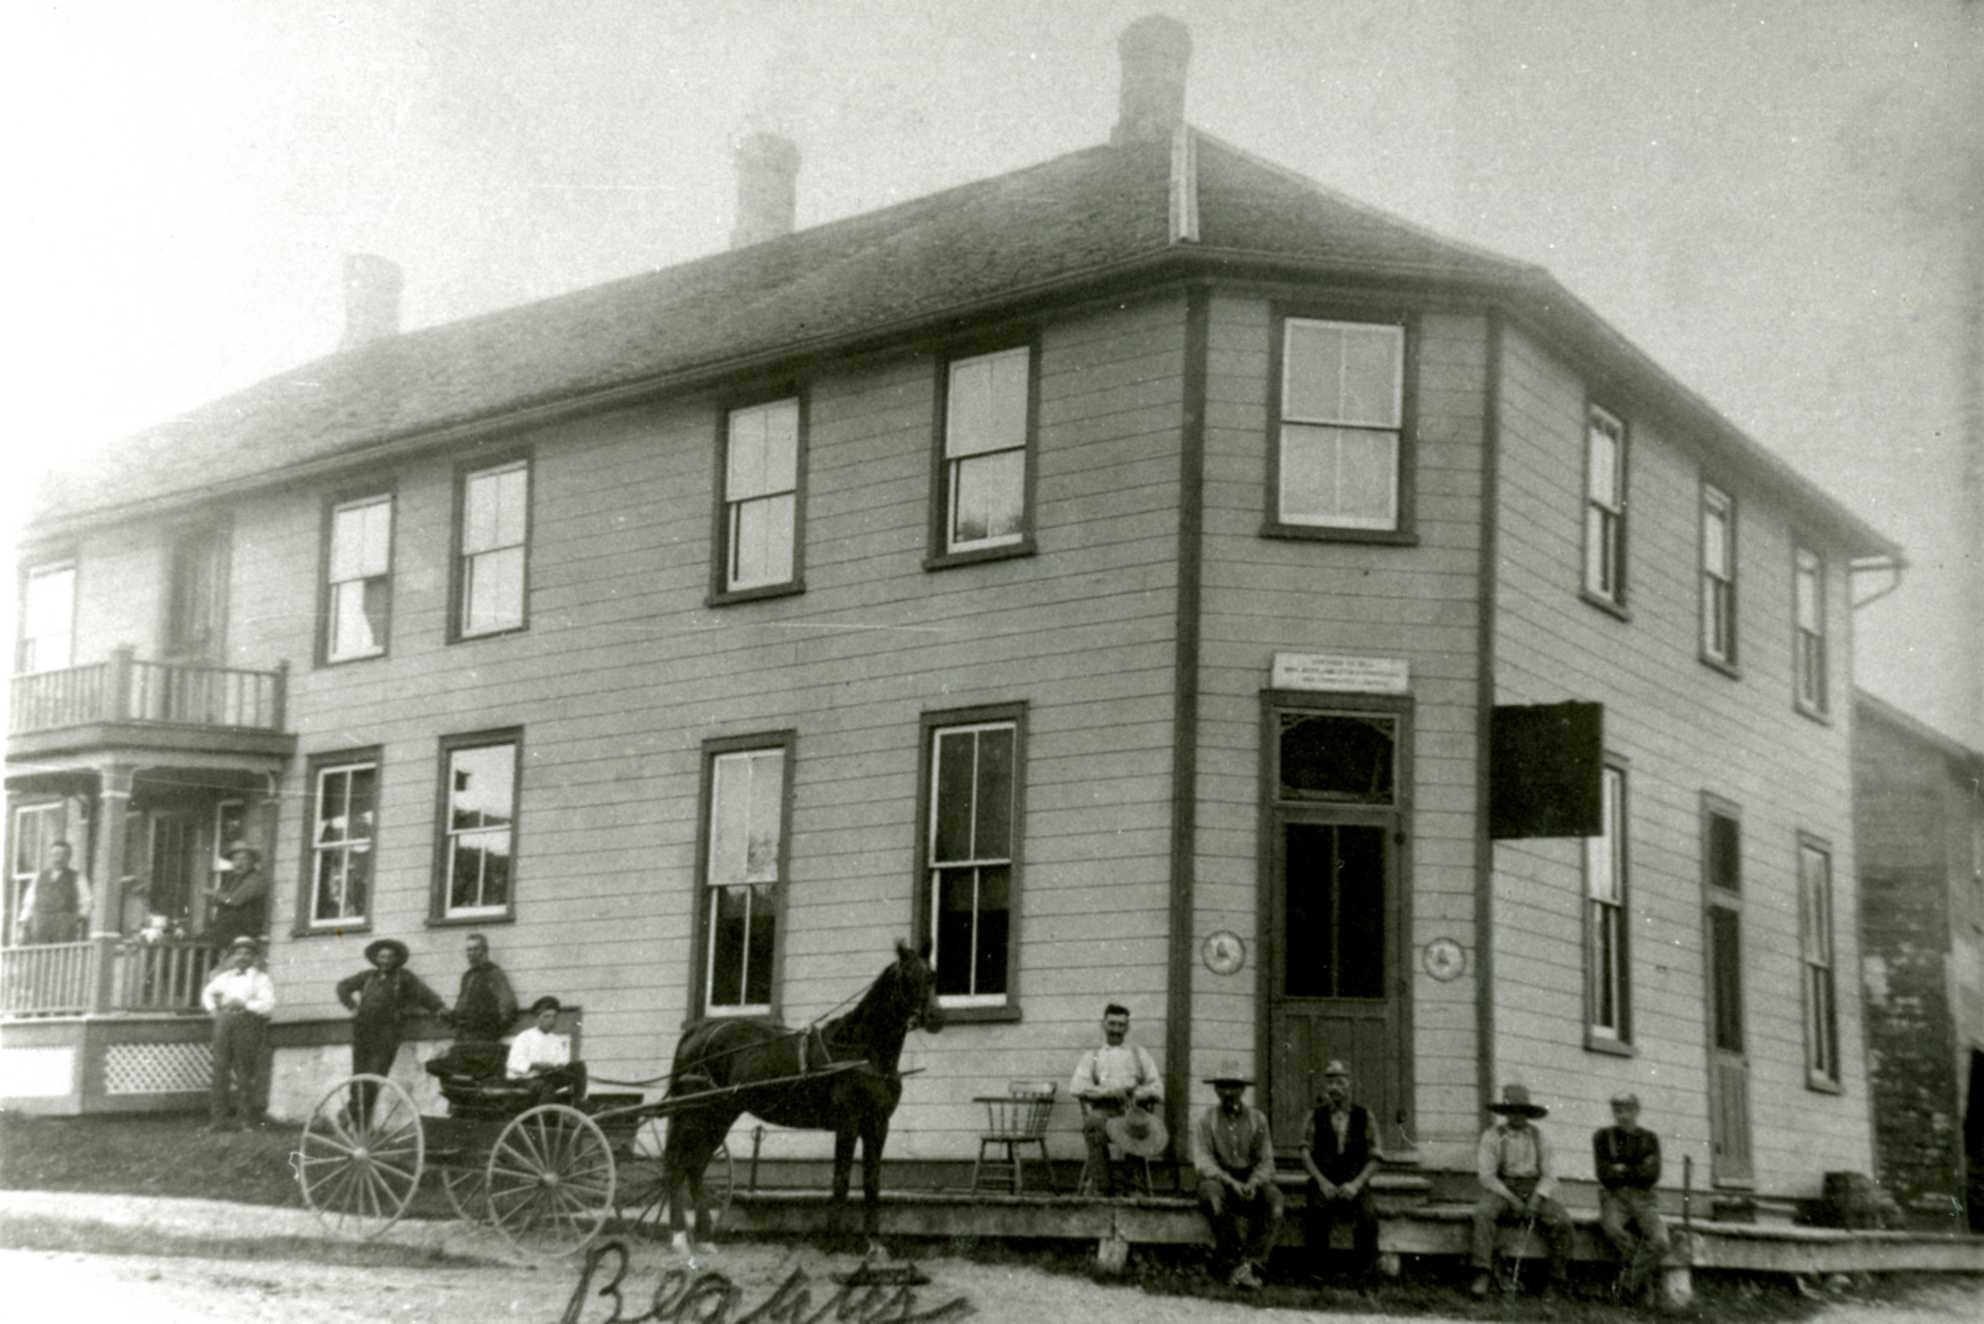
(380, 1000)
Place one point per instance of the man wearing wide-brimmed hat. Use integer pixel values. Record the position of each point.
(1339, 1152)
(242, 905)
(1518, 1180)
(379, 1000)
(1118, 1085)
(1235, 1161)
(240, 998)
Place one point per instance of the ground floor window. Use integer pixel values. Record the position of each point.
(972, 771)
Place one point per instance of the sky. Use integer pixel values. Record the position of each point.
(1771, 198)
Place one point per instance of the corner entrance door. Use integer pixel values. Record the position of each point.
(1334, 931)
(1730, 1161)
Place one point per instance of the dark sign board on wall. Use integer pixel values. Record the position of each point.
(1545, 765)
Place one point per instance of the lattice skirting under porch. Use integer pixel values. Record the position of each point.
(157, 1068)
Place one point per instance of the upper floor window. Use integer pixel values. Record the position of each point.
(48, 618)
(477, 842)
(1608, 973)
(760, 536)
(494, 536)
(1718, 587)
(197, 594)
(988, 424)
(1339, 461)
(743, 873)
(970, 854)
(343, 825)
(359, 587)
(1605, 508)
(1816, 950)
(1808, 662)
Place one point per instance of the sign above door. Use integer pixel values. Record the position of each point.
(1341, 672)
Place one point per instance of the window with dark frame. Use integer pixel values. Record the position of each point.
(343, 827)
(1816, 953)
(1718, 575)
(1809, 629)
(743, 875)
(987, 426)
(761, 495)
(1605, 507)
(48, 618)
(1725, 889)
(495, 528)
(1608, 978)
(1342, 424)
(478, 828)
(970, 850)
(359, 585)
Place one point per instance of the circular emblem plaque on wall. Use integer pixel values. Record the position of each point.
(1224, 952)
(1444, 959)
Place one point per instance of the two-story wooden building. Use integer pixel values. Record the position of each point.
(1148, 575)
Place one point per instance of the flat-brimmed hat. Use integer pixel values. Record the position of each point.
(234, 848)
(546, 1003)
(1335, 1067)
(1626, 1096)
(241, 941)
(377, 945)
(1516, 1103)
(1137, 1132)
(1229, 1073)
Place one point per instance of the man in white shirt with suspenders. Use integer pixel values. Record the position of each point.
(1107, 1080)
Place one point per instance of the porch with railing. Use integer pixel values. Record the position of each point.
(124, 689)
(104, 975)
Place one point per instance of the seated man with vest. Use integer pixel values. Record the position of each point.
(1340, 1154)
(545, 1059)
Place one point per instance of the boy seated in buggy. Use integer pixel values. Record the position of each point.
(492, 1079)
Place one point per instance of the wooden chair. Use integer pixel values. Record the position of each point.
(1013, 1121)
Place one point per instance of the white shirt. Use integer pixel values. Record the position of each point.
(537, 1048)
(1114, 1069)
(250, 988)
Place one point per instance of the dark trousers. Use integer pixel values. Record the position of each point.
(1359, 1210)
(1101, 1172)
(373, 1048)
(560, 1083)
(1550, 1216)
(1226, 1211)
(238, 1081)
(1630, 1219)
(230, 922)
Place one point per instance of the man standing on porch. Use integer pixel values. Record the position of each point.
(1107, 1080)
(56, 905)
(1626, 1157)
(240, 999)
(242, 907)
(1518, 1179)
(1338, 1153)
(1235, 1162)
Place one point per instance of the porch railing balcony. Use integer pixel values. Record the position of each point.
(124, 689)
(68, 978)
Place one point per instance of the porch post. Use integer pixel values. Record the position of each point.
(113, 797)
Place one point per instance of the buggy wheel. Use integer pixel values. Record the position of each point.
(642, 1208)
(550, 1181)
(358, 1169)
(462, 1183)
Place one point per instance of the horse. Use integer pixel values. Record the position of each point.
(852, 1102)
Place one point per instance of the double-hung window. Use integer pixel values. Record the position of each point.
(48, 618)
(1808, 661)
(478, 838)
(760, 515)
(358, 593)
(744, 866)
(36, 827)
(344, 825)
(1816, 953)
(490, 572)
(1718, 579)
(970, 853)
(1340, 456)
(1608, 979)
(988, 423)
(1605, 508)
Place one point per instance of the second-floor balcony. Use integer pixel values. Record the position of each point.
(126, 700)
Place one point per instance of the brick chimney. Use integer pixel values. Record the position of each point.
(767, 189)
(371, 299)
(1154, 50)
